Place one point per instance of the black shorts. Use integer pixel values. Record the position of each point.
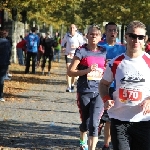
(68, 60)
(130, 135)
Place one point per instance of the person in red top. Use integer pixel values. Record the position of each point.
(147, 48)
(20, 46)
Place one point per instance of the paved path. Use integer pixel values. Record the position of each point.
(46, 119)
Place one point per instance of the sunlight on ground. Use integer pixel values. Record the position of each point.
(21, 82)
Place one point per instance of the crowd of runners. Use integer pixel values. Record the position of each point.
(113, 89)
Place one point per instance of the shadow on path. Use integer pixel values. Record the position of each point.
(36, 136)
(30, 135)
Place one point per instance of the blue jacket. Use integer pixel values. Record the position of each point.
(35, 40)
(5, 52)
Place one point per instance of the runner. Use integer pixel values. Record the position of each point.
(113, 49)
(88, 63)
(72, 40)
(130, 108)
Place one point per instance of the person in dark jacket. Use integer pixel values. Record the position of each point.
(48, 44)
(6, 35)
(5, 53)
(40, 52)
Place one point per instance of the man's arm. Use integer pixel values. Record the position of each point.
(104, 93)
(104, 88)
(146, 105)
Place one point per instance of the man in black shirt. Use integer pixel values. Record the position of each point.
(48, 44)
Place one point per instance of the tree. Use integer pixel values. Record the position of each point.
(81, 12)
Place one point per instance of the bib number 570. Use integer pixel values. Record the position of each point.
(132, 95)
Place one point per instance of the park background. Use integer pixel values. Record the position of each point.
(18, 16)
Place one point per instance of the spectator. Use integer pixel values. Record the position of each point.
(5, 53)
(48, 44)
(40, 52)
(6, 35)
(57, 46)
(20, 47)
(32, 40)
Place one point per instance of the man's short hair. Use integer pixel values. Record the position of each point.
(135, 24)
(110, 23)
(33, 29)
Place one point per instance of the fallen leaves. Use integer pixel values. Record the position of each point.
(21, 82)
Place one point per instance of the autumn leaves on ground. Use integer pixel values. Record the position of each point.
(21, 82)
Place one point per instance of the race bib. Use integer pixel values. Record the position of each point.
(129, 95)
(95, 75)
(70, 55)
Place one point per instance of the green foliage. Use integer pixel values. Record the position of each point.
(81, 12)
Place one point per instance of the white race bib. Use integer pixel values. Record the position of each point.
(95, 75)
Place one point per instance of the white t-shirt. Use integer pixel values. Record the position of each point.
(73, 42)
(132, 78)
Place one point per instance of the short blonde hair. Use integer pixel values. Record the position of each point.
(94, 26)
(135, 24)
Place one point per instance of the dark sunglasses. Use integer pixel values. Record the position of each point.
(135, 36)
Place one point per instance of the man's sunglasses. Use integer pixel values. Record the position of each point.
(135, 36)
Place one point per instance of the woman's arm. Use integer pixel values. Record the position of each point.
(73, 71)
